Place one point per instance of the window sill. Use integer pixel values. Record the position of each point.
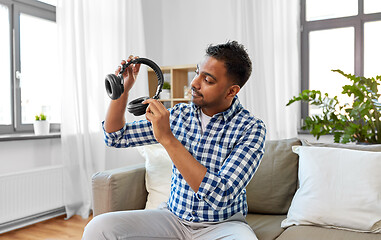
(27, 136)
(306, 132)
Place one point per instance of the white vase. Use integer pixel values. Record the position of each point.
(41, 127)
(165, 94)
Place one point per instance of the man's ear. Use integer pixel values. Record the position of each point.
(233, 90)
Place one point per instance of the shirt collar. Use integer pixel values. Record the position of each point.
(228, 113)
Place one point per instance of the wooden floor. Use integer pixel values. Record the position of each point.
(53, 229)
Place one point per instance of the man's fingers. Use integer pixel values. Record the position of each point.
(149, 116)
(155, 106)
(136, 69)
(154, 102)
(132, 66)
(117, 71)
(132, 69)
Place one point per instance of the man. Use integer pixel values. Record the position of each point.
(215, 146)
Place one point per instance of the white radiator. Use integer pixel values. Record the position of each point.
(29, 193)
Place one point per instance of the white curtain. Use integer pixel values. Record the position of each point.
(270, 31)
(95, 36)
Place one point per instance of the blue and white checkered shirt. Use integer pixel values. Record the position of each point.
(231, 149)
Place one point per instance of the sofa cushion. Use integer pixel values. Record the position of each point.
(339, 188)
(318, 233)
(273, 186)
(266, 227)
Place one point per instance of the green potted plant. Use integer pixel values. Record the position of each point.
(358, 121)
(165, 92)
(41, 125)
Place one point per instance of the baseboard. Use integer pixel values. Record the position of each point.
(23, 222)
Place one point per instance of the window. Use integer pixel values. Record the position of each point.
(28, 65)
(338, 34)
(5, 66)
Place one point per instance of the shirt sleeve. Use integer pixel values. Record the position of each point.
(132, 134)
(220, 189)
(137, 133)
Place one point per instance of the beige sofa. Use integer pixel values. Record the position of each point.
(269, 196)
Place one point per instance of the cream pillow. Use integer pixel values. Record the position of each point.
(158, 174)
(339, 188)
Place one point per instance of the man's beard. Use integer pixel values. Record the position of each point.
(199, 96)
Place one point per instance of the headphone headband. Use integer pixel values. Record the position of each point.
(155, 68)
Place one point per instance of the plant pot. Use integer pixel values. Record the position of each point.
(41, 127)
(165, 94)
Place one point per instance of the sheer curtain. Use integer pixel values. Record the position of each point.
(270, 31)
(95, 36)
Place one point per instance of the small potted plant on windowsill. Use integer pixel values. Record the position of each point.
(359, 121)
(165, 92)
(41, 125)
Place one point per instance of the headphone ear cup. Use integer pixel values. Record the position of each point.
(114, 86)
(136, 107)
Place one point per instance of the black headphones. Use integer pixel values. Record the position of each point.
(115, 88)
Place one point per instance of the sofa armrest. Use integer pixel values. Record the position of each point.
(119, 189)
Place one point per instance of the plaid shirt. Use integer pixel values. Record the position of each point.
(231, 149)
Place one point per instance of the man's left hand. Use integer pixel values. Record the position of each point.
(158, 115)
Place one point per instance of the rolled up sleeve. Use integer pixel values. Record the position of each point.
(133, 134)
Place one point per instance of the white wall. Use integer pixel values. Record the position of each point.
(186, 29)
(190, 26)
(153, 28)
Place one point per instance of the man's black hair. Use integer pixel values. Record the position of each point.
(237, 62)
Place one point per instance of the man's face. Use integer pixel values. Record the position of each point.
(210, 86)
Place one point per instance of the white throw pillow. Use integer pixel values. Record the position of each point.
(158, 174)
(339, 188)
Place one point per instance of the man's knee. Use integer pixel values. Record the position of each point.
(229, 231)
(242, 231)
(149, 224)
(99, 227)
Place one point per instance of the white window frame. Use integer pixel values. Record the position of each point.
(33, 8)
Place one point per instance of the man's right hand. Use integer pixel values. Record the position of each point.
(115, 119)
(130, 74)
